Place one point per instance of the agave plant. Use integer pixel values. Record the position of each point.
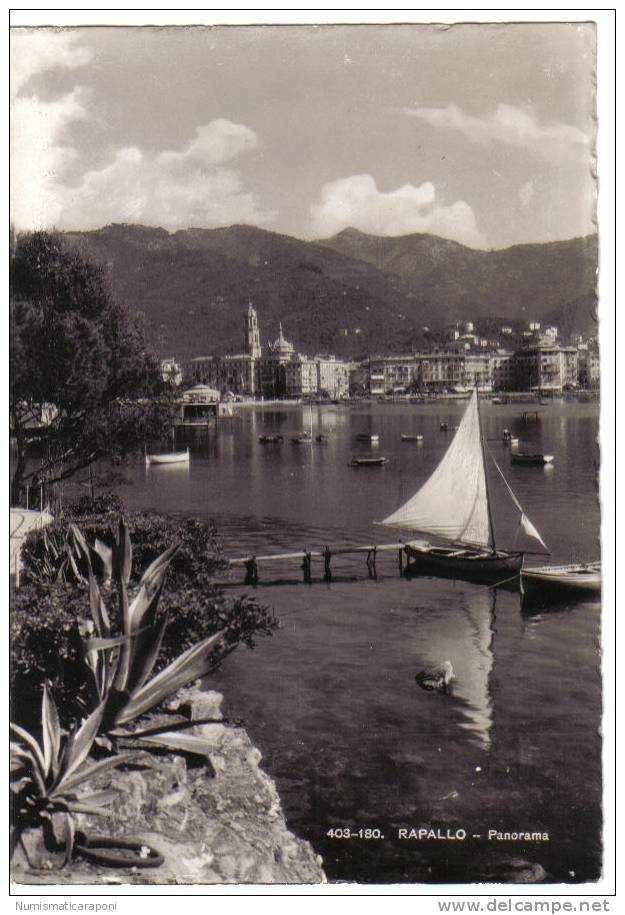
(66, 556)
(121, 666)
(46, 776)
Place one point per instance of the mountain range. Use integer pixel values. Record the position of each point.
(351, 294)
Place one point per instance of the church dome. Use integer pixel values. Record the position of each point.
(281, 347)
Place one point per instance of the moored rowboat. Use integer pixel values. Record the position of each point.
(368, 461)
(269, 439)
(411, 438)
(582, 578)
(531, 460)
(363, 437)
(170, 457)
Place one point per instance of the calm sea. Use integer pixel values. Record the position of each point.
(331, 700)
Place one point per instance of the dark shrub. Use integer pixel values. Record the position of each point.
(104, 504)
(46, 618)
(45, 645)
(199, 557)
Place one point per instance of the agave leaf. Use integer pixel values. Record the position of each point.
(77, 807)
(192, 664)
(103, 644)
(17, 786)
(80, 544)
(142, 610)
(50, 545)
(146, 651)
(98, 798)
(111, 762)
(63, 829)
(51, 730)
(106, 556)
(23, 759)
(78, 746)
(187, 743)
(124, 553)
(123, 663)
(72, 562)
(161, 561)
(98, 608)
(32, 745)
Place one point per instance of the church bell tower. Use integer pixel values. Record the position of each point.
(252, 336)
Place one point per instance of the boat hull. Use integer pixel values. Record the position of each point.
(532, 460)
(564, 580)
(181, 457)
(466, 564)
(368, 462)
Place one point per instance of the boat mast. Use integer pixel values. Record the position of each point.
(490, 516)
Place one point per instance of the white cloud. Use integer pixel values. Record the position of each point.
(169, 189)
(196, 186)
(356, 202)
(38, 154)
(37, 50)
(526, 193)
(513, 126)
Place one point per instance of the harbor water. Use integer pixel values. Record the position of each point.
(362, 757)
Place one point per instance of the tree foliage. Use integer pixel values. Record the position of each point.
(76, 350)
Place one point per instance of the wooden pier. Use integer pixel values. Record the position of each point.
(326, 554)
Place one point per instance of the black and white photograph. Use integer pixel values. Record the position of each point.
(305, 467)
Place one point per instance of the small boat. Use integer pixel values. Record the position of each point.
(531, 460)
(322, 439)
(583, 578)
(444, 427)
(372, 439)
(368, 461)
(411, 438)
(168, 457)
(454, 506)
(269, 439)
(497, 400)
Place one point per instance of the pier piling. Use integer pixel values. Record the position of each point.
(327, 556)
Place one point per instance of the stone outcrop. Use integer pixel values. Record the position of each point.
(214, 815)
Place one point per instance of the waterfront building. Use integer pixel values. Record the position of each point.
(442, 371)
(332, 377)
(376, 376)
(502, 370)
(198, 406)
(588, 367)
(478, 371)
(546, 368)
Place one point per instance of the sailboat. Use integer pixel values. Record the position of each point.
(454, 506)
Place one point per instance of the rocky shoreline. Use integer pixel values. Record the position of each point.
(214, 815)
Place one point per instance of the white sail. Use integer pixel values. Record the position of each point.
(453, 503)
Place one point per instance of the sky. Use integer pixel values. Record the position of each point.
(483, 134)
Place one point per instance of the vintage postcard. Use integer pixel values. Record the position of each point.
(306, 569)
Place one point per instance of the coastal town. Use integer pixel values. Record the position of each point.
(535, 360)
(305, 358)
